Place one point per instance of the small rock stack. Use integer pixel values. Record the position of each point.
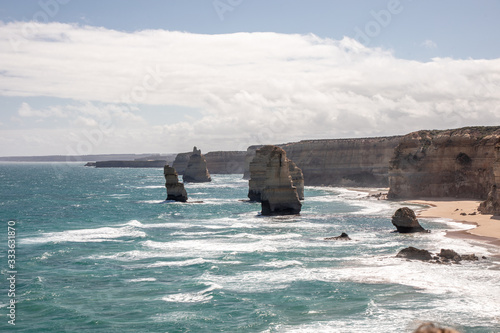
(175, 189)
(405, 221)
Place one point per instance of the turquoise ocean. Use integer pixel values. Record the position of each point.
(100, 250)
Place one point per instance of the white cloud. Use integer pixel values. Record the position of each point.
(26, 111)
(249, 87)
(429, 44)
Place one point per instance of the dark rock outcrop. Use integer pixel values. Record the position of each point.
(443, 257)
(415, 254)
(196, 170)
(175, 189)
(343, 236)
(450, 163)
(271, 170)
(405, 221)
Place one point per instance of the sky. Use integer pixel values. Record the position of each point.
(118, 76)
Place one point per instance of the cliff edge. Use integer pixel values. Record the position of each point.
(450, 163)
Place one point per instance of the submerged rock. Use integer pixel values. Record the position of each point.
(450, 255)
(405, 221)
(343, 236)
(275, 191)
(443, 257)
(196, 169)
(175, 189)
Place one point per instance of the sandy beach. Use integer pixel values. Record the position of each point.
(488, 226)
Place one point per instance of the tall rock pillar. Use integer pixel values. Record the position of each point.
(196, 170)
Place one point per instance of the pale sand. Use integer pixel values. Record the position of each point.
(488, 226)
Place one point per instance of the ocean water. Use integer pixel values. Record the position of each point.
(99, 250)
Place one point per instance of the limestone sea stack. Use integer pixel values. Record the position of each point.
(297, 178)
(196, 170)
(405, 221)
(259, 177)
(275, 191)
(175, 190)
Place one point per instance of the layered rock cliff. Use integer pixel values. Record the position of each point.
(278, 196)
(175, 189)
(225, 162)
(218, 162)
(341, 162)
(450, 163)
(196, 170)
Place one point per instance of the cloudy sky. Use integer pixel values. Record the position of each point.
(121, 76)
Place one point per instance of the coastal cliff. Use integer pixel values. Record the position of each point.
(341, 162)
(450, 163)
(218, 162)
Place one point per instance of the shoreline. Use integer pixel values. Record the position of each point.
(487, 226)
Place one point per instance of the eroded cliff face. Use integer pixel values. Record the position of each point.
(218, 162)
(492, 203)
(341, 162)
(451, 163)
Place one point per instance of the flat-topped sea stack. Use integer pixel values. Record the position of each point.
(275, 190)
(456, 163)
(175, 189)
(196, 170)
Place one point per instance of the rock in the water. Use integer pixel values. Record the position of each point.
(446, 256)
(343, 236)
(470, 257)
(414, 253)
(175, 190)
(258, 174)
(196, 170)
(275, 190)
(405, 221)
(297, 178)
(450, 255)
